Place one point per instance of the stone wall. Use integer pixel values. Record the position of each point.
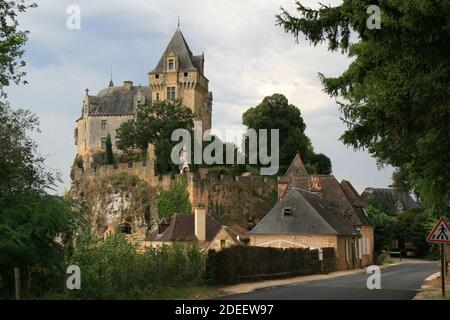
(230, 199)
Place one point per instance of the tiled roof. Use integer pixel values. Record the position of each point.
(182, 228)
(116, 101)
(311, 215)
(296, 169)
(179, 46)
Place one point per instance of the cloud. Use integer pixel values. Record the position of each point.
(247, 58)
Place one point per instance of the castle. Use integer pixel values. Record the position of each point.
(178, 75)
(294, 210)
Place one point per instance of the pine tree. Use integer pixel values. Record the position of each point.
(109, 151)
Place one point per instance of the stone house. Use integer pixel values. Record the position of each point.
(318, 211)
(178, 75)
(198, 227)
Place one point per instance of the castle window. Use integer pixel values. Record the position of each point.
(186, 75)
(104, 122)
(171, 64)
(157, 96)
(156, 76)
(171, 93)
(103, 143)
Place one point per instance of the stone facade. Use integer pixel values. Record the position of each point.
(346, 248)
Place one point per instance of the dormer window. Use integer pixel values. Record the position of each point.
(288, 211)
(171, 64)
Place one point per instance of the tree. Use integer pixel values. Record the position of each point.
(414, 226)
(154, 123)
(275, 112)
(383, 228)
(30, 219)
(176, 200)
(395, 93)
(11, 42)
(109, 150)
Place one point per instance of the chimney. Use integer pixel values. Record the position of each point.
(128, 84)
(200, 223)
(315, 186)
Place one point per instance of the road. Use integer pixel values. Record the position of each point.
(399, 282)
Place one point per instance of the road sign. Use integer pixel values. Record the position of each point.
(440, 233)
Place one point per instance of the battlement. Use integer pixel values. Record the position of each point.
(234, 198)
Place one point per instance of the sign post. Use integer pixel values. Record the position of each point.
(441, 235)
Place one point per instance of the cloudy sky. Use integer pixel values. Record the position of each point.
(247, 58)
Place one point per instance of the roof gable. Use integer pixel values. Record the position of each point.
(179, 47)
(296, 169)
(310, 215)
(182, 228)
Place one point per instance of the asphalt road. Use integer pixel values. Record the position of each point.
(399, 282)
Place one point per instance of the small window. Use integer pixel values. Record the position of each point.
(104, 123)
(171, 93)
(157, 96)
(171, 64)
(287, 211)
(222, 243)
(103, 143)
(186, 75)
(156, 76)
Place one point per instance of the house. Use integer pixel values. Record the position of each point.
(318, 211)
(397, 201)
(198, 227)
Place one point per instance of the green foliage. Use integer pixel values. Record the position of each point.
(11, 42)
(154, 123)
(30, 219)
(109, 151)
(275, 112)
(414, 226)
(176, 200)
(384, 228)
(113, 269)
(395, 92)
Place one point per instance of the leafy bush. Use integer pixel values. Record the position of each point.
(176, 200)
(114, 269)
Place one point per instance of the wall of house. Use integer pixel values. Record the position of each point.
(367, 232)
(90, 133)
(344, 261)
(221, 241)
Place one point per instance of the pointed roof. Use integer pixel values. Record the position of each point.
(310, 216)
(296, 169)
(179, 47)
(111, 83)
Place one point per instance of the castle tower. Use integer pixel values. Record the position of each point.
(180, 75)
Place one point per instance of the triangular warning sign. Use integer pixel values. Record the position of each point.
(440, 233)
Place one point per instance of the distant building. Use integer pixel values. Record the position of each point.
(317, 211)
(397, 201)
(178, 75)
